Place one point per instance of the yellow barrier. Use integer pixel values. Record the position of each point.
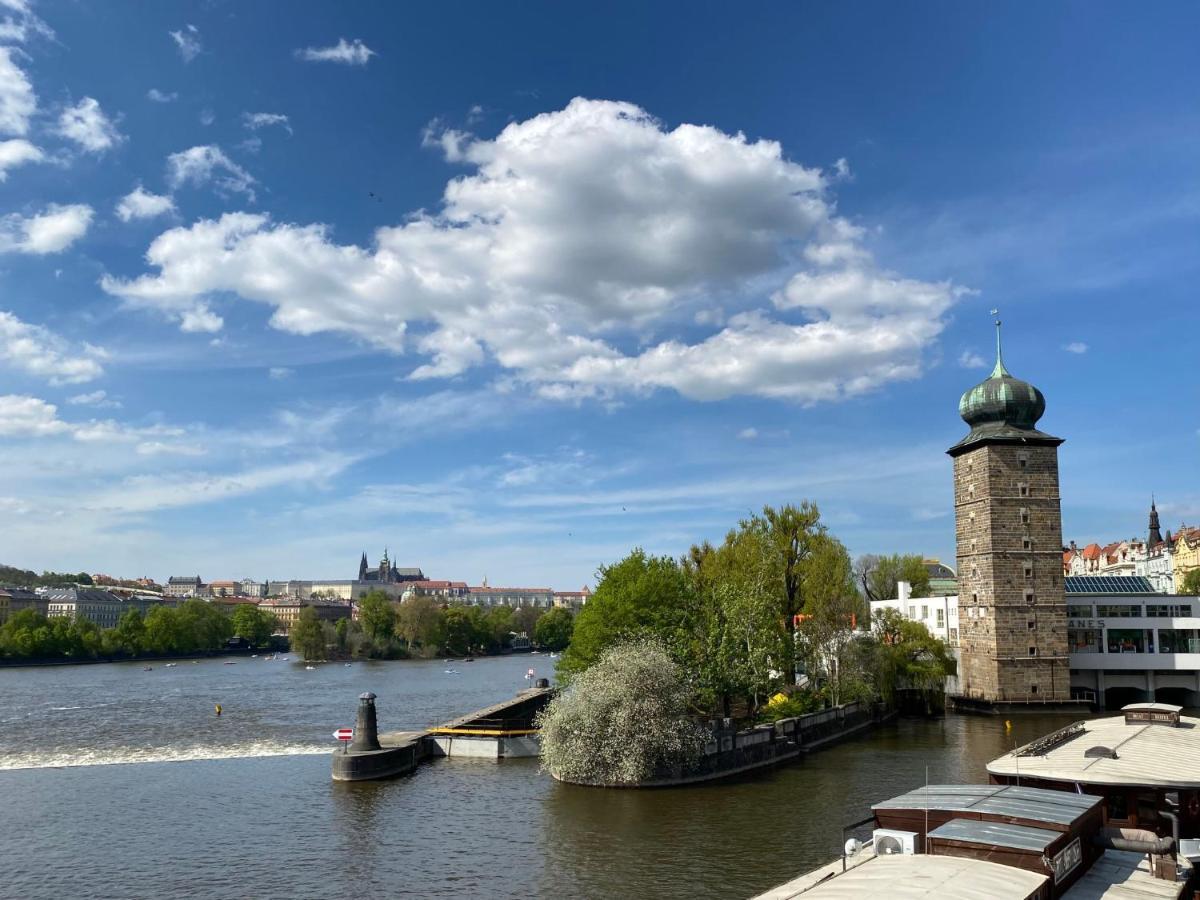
(485, 732)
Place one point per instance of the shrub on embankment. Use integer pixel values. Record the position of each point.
(622, 721)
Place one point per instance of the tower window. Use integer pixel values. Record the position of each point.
(1023, 489)
(1033, 651)
(974, 598)
(1030, 598)
(1026, 544)
(1032, 623)
(1023, 460)
(1024, 516)
(1028, 570)
(1033, 689)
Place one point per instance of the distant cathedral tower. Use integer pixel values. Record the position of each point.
(1008, 526)
(1155, 535)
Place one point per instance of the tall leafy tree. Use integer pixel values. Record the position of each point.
(377, 615)
(553, 630)
(307, 636)
(1191, 583)
(253, 623)
(637, 596)
(878, 576)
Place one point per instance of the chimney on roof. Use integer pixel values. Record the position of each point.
(903, 590)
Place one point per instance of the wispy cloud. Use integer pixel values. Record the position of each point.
(187, 42)
(142, 204)
(969, 359)
(37, 351)
(1076, 347)
(255, 121)
(348, 53)
(161, 96)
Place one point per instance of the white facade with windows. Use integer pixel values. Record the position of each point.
(1126, 642)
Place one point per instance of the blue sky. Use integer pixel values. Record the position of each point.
(511, 289)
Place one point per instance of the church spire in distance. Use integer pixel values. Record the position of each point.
(1155, 537)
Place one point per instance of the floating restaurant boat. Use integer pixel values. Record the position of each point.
(1104, 809)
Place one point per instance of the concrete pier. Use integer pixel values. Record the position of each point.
(501, 731)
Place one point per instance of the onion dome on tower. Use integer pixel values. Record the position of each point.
(1002, 409)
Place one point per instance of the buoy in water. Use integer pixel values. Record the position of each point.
(1008, 724)
(218, 708)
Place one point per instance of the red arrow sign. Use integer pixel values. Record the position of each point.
(344, 734)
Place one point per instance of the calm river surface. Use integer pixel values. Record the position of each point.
(115, 782)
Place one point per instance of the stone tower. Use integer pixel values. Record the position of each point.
(1008, 526)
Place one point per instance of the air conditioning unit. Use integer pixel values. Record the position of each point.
(888, 842)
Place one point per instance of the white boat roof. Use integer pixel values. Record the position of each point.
(918, 877)
(1148, 755)
(1157, 707)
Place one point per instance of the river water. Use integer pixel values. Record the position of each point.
(117, 782)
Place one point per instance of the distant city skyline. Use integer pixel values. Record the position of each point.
(566, 281)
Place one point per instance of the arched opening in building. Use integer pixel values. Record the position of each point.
(1116, 697)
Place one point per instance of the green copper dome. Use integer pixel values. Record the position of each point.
(1002, 409)
(1002, 400)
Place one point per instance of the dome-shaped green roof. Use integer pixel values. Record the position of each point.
(1002, 408)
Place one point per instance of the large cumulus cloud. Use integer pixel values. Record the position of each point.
(569, 255)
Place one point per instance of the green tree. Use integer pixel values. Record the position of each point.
(904, 655)
(624, 721)
(84, 578)
(307, 637)
(419, 623)
(499, 627)
(378, 616)
(129, 635)
(463, 629)
(737, 641)
(1191, 583)
(641, 595)
(827, 627)
(163, 631)
(253, 623)
(878, 576)
(342, 631)
(553, 630)
(525, 619)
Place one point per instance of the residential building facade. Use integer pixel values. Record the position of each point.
(184, 586)
(287, 611)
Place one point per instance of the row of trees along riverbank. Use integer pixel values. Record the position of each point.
(737, 623)
(193, 626)
(424, 627)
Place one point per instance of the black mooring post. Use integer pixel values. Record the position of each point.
(366, 731)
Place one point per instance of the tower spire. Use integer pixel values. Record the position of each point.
(998, 371)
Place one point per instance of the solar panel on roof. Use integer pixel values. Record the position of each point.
(1108, 584)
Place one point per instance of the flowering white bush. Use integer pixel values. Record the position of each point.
(622, 721)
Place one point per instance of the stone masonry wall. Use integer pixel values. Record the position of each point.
(1011, 605)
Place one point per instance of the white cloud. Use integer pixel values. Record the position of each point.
(1076, 347)
(200, 165)
(969, 359)
(98, 399)
(86, 124)
(15, 153)
(350, 54)
(20, 23)
(28, 416)
(161, 96)
(39, 352)
(161, 448)
(50, 231)
(255, 121)
(207, 117)
(748, 434)
(141, 204)
(279, 373)
(576, 232)
(187, 41)
(17, 99)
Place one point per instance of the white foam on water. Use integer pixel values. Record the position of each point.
(117, 756)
